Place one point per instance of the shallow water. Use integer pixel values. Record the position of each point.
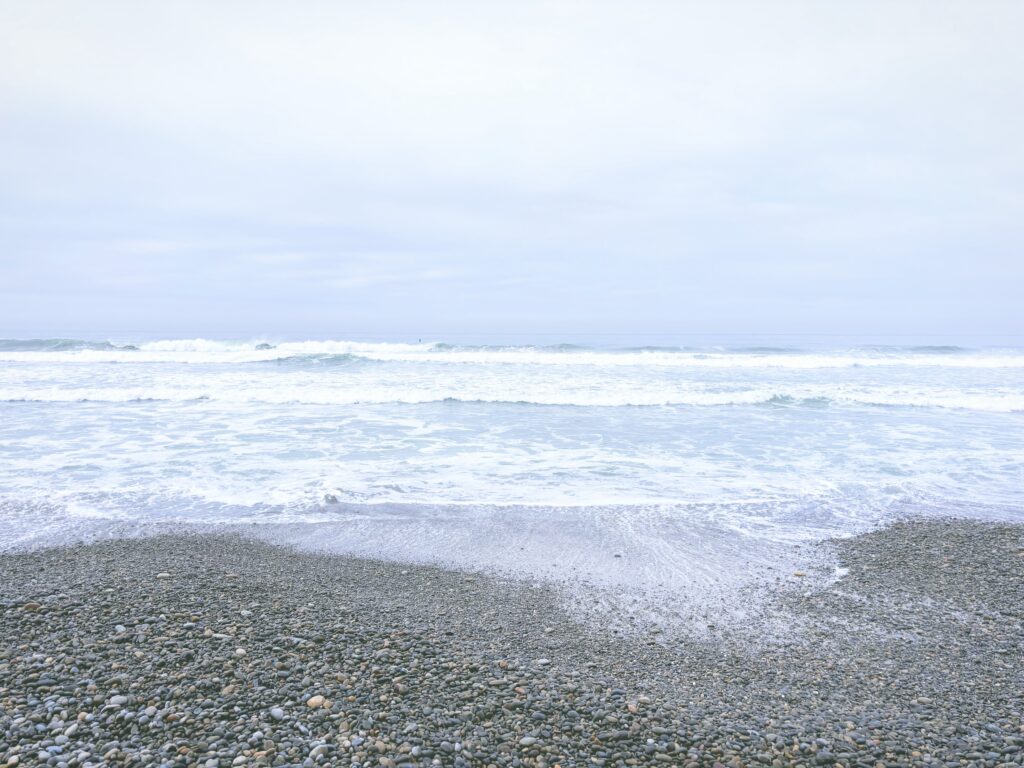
(695, 465)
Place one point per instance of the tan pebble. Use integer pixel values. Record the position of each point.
(315, 702)
(799, 573)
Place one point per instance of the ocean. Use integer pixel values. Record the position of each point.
(667, 465)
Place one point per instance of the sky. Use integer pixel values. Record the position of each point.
(429, 168)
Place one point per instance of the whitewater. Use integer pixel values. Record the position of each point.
(659, 465)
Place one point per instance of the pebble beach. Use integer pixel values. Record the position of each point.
(511, 385)
(217, 650)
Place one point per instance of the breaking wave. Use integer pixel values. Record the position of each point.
(207, 351)
(1008, 402)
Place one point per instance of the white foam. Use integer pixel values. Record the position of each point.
(511, 393)
(430, 449)
(208, 351)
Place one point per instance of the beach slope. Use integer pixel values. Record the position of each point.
(219, 651)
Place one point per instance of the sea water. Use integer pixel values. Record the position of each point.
(669, 465)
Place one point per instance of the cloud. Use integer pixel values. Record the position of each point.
(368, 279)
(510, 152)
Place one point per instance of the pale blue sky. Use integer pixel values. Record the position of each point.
(565, 167)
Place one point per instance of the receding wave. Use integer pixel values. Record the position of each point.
(810, 397)
(207, 351)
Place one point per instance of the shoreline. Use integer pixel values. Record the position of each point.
(184, 650)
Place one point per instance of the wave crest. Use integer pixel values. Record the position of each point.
(811, 397)
(208, 351)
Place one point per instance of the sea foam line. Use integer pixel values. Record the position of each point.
(1009, 402)
(207, 351)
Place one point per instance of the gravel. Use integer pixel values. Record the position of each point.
(222, 651)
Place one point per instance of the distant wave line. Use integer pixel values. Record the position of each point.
(996, 403)
(205, 351)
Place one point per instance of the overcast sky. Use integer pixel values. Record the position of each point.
(323, 169)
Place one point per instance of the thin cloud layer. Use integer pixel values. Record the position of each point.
(577, 167)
